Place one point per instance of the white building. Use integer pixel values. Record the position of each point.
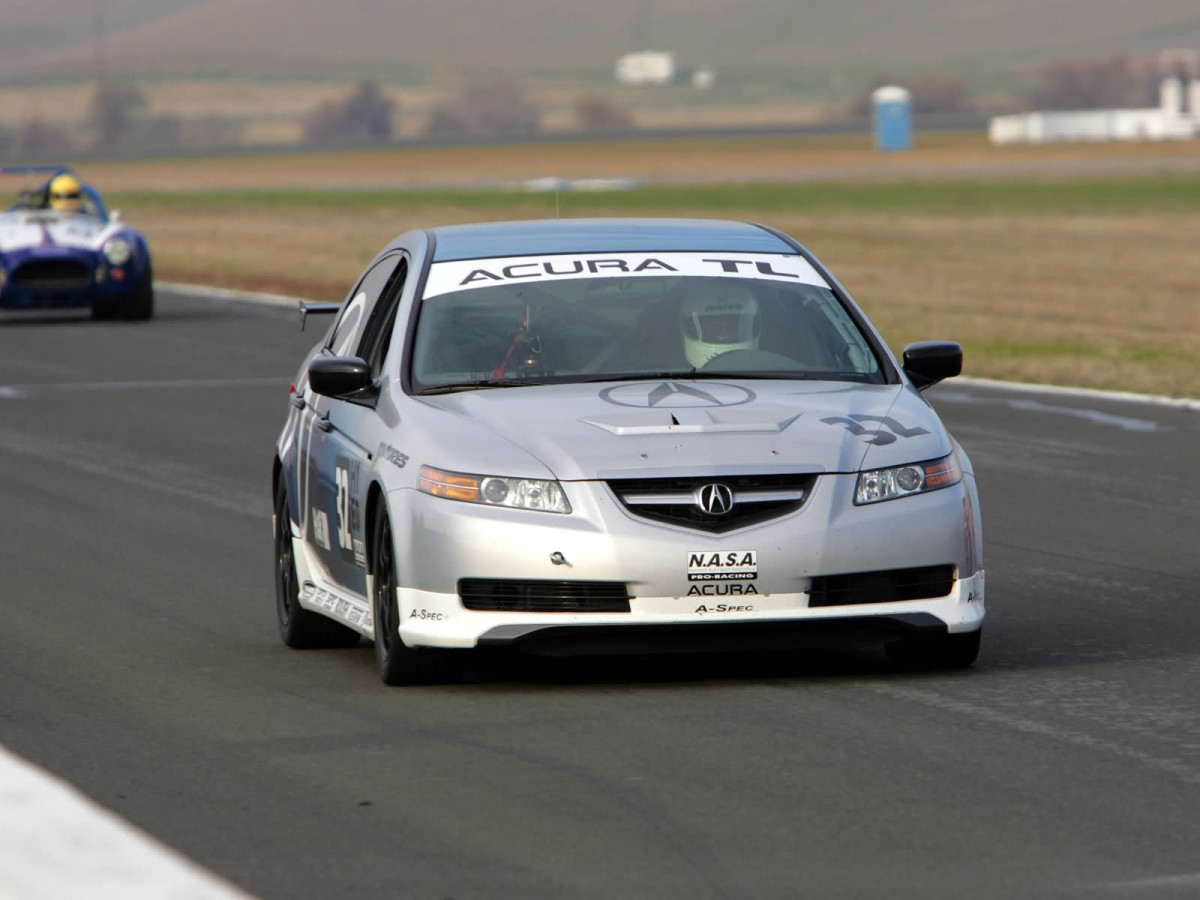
(1177, 117)
(645, 67)
(704, 78)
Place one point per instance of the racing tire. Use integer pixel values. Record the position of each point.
(105, 309)
(398, 663)
(138, 304)
(300, 629)
(135, 306)
(943, 651)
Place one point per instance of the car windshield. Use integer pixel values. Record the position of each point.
(610, 317)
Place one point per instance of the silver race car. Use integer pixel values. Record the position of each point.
(618, 435)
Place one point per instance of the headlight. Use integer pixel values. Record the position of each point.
(903, 481)
(117, 251)
(492, 490)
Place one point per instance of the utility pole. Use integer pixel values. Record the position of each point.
(101, 61)
(639, 27)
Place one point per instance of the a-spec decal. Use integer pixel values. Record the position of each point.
(879, 436)
(675, 395)
(461, 275)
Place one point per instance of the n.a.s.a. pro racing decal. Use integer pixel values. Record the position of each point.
(722, 565)
(461, 275)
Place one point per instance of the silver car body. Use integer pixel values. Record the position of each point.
(608, 444)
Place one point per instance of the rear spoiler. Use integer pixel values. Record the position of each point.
(316, 309)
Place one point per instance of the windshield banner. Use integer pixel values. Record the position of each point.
(461, 275)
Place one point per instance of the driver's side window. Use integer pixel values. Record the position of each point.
(343, 337)
(377, 336)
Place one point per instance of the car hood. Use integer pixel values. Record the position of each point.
(25, 230)
(664, 428)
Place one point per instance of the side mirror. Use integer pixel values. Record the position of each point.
(928, 362)
(341, 377)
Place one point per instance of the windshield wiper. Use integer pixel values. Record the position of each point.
(478, 385)
(642, 376)
(697, 374)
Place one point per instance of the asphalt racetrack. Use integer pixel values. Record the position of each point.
(139, 660)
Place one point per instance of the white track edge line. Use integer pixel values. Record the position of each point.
(1185, 403)
(57, 842)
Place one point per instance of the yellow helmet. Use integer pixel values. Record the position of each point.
(65, 194)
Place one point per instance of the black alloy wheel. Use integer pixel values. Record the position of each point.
(398, 663)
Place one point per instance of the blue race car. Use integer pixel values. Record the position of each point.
(61, 249)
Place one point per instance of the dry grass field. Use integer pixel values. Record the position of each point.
(711, 160)
(1094, 281)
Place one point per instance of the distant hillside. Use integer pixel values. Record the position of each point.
(775, 40)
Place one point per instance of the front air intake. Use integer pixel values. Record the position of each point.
(887, 586)
(52, 274)
(519, 595)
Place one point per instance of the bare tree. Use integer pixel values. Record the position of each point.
(930, 94)
(362, 116)
(485, 108)
(112, 112)
(39, 139)
(595, 112)
(1095, 83)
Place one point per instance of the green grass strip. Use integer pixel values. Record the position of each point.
(1143, 193)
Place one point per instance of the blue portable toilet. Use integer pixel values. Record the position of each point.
(893, 118)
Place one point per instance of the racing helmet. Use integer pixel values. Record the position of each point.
(717, 316)
(65, 194)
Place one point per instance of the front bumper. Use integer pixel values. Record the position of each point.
(101, 282)
(601, 541)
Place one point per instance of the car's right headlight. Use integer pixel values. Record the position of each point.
(877, 485)
(494, 490)
(117, 251)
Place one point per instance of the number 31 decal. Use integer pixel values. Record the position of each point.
(348, 474)
(345, 540)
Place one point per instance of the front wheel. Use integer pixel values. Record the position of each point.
(942, 651)
(136, 305)
(397, 662)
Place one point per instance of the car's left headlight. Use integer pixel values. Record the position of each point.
(877, 485)
(493, 490)
(117, 251)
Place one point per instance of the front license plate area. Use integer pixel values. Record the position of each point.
(722, 565)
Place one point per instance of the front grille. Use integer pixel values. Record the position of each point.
(675, 501)
(513, 595)
(52, 274)
(881, 587)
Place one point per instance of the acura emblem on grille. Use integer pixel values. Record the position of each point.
(715, 499)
